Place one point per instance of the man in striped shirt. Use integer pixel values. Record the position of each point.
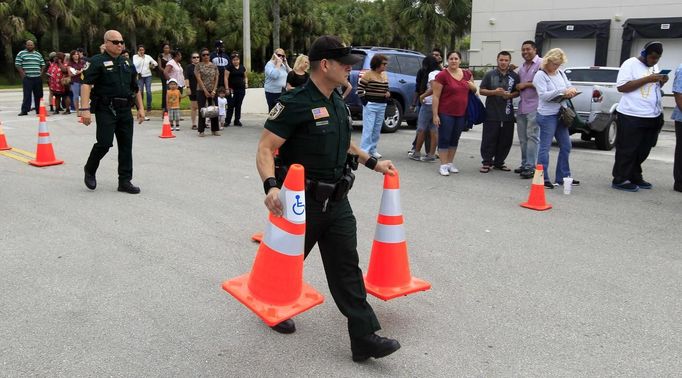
(30, 65)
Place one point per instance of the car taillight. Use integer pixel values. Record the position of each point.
(597, 96)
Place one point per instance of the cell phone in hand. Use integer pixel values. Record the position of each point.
(664, 72)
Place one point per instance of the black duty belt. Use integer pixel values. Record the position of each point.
(324, 192)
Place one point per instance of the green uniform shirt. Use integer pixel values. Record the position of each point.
(110, 77)
(30, 62)
(317, 130)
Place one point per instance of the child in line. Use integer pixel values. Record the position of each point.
(222, 107)
(173, 96)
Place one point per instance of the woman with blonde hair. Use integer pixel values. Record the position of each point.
(299, 75)
(276, 71)
(554, 89)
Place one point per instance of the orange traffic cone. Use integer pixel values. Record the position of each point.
(3, 141)
(388, 275)
(42, 111)
(45, 153)
(274, 289)
(257, 237)
(536, 197)
(166, 131)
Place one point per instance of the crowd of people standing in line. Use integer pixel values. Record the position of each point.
(442, 95)
(64, 75)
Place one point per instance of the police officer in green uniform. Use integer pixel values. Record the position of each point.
(110, 87)
(311, 126)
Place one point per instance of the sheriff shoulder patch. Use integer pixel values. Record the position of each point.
(276, 111)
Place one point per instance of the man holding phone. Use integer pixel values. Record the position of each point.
(640, 116)
(677, 117)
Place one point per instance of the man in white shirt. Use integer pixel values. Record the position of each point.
(640, 116)
(144, 64)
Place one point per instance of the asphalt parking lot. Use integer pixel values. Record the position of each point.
(110, 284)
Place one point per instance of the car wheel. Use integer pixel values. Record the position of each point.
(606, 139)
(393, 117)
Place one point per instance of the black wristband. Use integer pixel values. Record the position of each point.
(371, 163)
(269, 183)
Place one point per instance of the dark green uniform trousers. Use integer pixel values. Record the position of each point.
(335, 231)
(109, 125)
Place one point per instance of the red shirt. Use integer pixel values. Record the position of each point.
(455, 94)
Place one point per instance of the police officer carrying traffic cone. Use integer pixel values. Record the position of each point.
(311, 126)
(110, 87)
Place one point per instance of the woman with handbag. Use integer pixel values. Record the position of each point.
(207, 85)
(60, 83)
(451, 89)
(554, 90)
(75, 70)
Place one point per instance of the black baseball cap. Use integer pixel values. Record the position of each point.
(218, 43)
(331, 47)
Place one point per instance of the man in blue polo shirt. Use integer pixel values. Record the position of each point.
(30, 65)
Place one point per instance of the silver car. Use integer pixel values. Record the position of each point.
(597, 103)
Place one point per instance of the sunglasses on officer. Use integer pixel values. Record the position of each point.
(116, 42)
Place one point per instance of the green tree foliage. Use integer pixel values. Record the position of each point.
(191, 24)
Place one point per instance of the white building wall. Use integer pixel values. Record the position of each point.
(508, 23)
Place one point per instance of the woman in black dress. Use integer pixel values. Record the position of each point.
(237, 81)
(299, 75)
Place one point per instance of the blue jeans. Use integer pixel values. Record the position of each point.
(450, 130)
(76, 92)
(272, 99)
(549, 129)
(529, 137)
(425, 118)
(145, 85)
(372, 119)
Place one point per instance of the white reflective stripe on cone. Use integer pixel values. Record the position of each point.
(539, 177)
(389, 234)
(44, 140)
(282, 241)
(42, 127)
(293, 203)
(390, 202)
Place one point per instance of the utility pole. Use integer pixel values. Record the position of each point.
(246, 38)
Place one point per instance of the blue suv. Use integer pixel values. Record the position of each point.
(402, 73)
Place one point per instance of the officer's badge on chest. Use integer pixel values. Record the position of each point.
(276, 111)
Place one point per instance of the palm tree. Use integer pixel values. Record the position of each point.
(61, 14)
(132, 14)
(11, 28)
(459, 12)
(428, 17)
(275, 24)
(176, 25)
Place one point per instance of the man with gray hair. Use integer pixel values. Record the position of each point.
(112, 81)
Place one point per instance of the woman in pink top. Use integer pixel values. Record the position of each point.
(450, 97)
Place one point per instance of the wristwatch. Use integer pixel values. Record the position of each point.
(269, 183)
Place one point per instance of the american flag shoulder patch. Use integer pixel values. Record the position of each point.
(319, 113)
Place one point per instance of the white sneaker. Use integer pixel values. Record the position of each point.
(376, 155)
(452, 168)
(444, 171)
(147, 119)
(410, 153)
